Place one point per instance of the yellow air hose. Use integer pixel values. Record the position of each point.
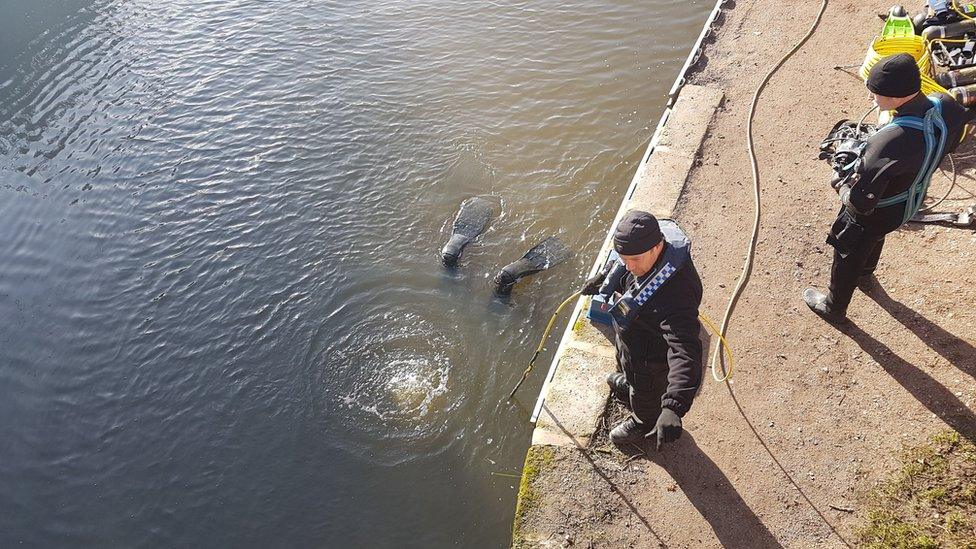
(955, 8)
(545, 336)
(552, 322)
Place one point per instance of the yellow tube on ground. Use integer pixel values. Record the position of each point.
(914, 45)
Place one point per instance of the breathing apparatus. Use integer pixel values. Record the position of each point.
(843, 148)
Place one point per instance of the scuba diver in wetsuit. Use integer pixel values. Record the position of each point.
(890, 183)
(655, 292)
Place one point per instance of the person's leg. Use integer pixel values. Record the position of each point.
(647, 384)
(846, 270)
(871, 262)
(645, 394)
(619, 388)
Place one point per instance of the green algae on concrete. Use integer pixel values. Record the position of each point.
(538, 459)
(930, 501)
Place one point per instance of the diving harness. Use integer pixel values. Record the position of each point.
(844, 149)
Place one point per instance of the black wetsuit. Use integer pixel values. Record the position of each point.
(892, 160)
(660, 352)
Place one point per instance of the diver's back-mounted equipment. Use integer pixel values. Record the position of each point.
(935, 132)
(843, 148)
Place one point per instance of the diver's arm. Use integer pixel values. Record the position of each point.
(880, 164)
(681, 329)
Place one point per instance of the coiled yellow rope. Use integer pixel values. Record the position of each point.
(914, 45)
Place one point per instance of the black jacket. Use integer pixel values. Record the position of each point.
(892, 159)
(664, 337)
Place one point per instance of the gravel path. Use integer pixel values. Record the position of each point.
(830, 408)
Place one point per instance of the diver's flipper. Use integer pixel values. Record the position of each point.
(470, 222)
(543, 255)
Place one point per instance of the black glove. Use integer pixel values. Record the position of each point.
(667, 429)
(592, 284)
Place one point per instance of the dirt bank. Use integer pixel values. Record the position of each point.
(831, 408)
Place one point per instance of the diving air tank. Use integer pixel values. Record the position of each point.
(965, 95)
(956, 78)
(950, 31)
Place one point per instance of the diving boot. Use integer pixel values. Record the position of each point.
(619, 387)
(817, 302)
(629, 432)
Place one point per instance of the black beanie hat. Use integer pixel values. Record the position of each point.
(636, 233)
(895, 76)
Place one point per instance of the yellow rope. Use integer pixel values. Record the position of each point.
(542, 342)
(914, 45)
(956, 9)
(725, 345)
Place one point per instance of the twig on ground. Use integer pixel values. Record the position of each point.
(635, 456)
(839, 508)
(500, 474)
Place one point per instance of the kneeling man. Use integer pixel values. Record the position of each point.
(654, 291)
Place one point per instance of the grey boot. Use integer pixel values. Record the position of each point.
(817, 302)
(619, 387)
(629, 432)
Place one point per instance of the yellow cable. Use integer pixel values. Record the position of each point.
(725, 345)
(568, 300)
(956, 9)
(914, 45)
(542, 342)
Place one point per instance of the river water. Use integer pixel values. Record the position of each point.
(223, 322)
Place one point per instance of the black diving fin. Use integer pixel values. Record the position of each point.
(543, 255)
(471, 221)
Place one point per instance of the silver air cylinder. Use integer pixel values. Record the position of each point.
(965, 95)
(956, 78)
(951, 30)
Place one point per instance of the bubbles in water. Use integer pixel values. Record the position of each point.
(405, 388)
(390, 381)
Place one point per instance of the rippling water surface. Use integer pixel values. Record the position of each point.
(222, 317)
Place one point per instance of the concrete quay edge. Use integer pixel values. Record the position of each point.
(574, 396)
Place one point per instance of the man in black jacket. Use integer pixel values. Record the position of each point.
(655, 292)
(890, 182)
